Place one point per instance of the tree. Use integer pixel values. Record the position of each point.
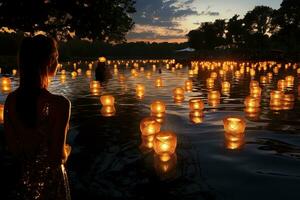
(208, 35)
(287, 23)
(105, 20)
(235, 31)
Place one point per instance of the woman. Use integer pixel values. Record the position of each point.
(36, 123)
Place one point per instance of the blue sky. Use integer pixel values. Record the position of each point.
(170, 20)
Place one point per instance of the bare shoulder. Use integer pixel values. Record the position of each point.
(61, 103)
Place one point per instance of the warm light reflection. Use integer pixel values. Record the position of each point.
(165, 166)
(149, 126)
(164, 144)
(1, 113)
(196, 104)
(108, 111)
(188, 85)
(158, 82)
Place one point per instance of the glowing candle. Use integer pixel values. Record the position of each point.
(196, 104)
(252, 102)
(95, 85)
(263, 79)
(149, 126)
(164, 144)
(158, 107)
(281, 84)
(254, 83)
(225, 86)
(210, 82)
(107, 100)
(234, 128)
(276, 94)
(188, 85)
(214, 95)
(255, 92)
(158, 82)
(88, 73)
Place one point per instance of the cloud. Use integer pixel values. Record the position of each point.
(209, 13)
(162, 12)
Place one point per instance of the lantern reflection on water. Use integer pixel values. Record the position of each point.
(5, 84)
(165, 169)
(164, 144)
(108, 111)
(252, 102)
(1, 113)
(63, 78)
(140, 90)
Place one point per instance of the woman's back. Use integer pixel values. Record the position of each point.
(40, 148)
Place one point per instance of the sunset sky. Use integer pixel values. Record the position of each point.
(171, 20)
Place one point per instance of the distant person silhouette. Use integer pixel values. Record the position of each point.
(36, 124)
(102, 72)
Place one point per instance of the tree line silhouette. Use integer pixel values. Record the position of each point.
(262, 33)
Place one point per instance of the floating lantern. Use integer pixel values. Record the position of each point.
(276, 94)
(107, 100)
(154, 68)
(210, 82)
(148, 75)
(149, 126)
(252, 72)
(14, 72)
(289, 80)
(263, 79)
(95, 85)
(134, 72)
(237, 74)
(214, 75)
(252, 102)
(1, 113)
(108, 111)
(74, 74)
(6, 84)
(79, 70)
(121, 78)
(102, 59)
(281, 84)
(178, 94)
(188, 85)
(63, 72)
(158, 107)
(255, 92)
(234, 128)
(276, 70)
(90, 66)
(164, 144)
(140, 90)
(213, 95)
(225, 86)
(298, 71)
(196, 104)
(63, 78)
(88, 73)
(254, 83)
(158, 82)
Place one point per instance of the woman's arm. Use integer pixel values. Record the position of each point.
(61, 116)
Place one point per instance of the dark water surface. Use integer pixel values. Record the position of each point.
(107, 162)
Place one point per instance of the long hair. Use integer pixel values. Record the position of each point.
(34, 57)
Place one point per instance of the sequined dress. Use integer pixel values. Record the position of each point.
(41, 180)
